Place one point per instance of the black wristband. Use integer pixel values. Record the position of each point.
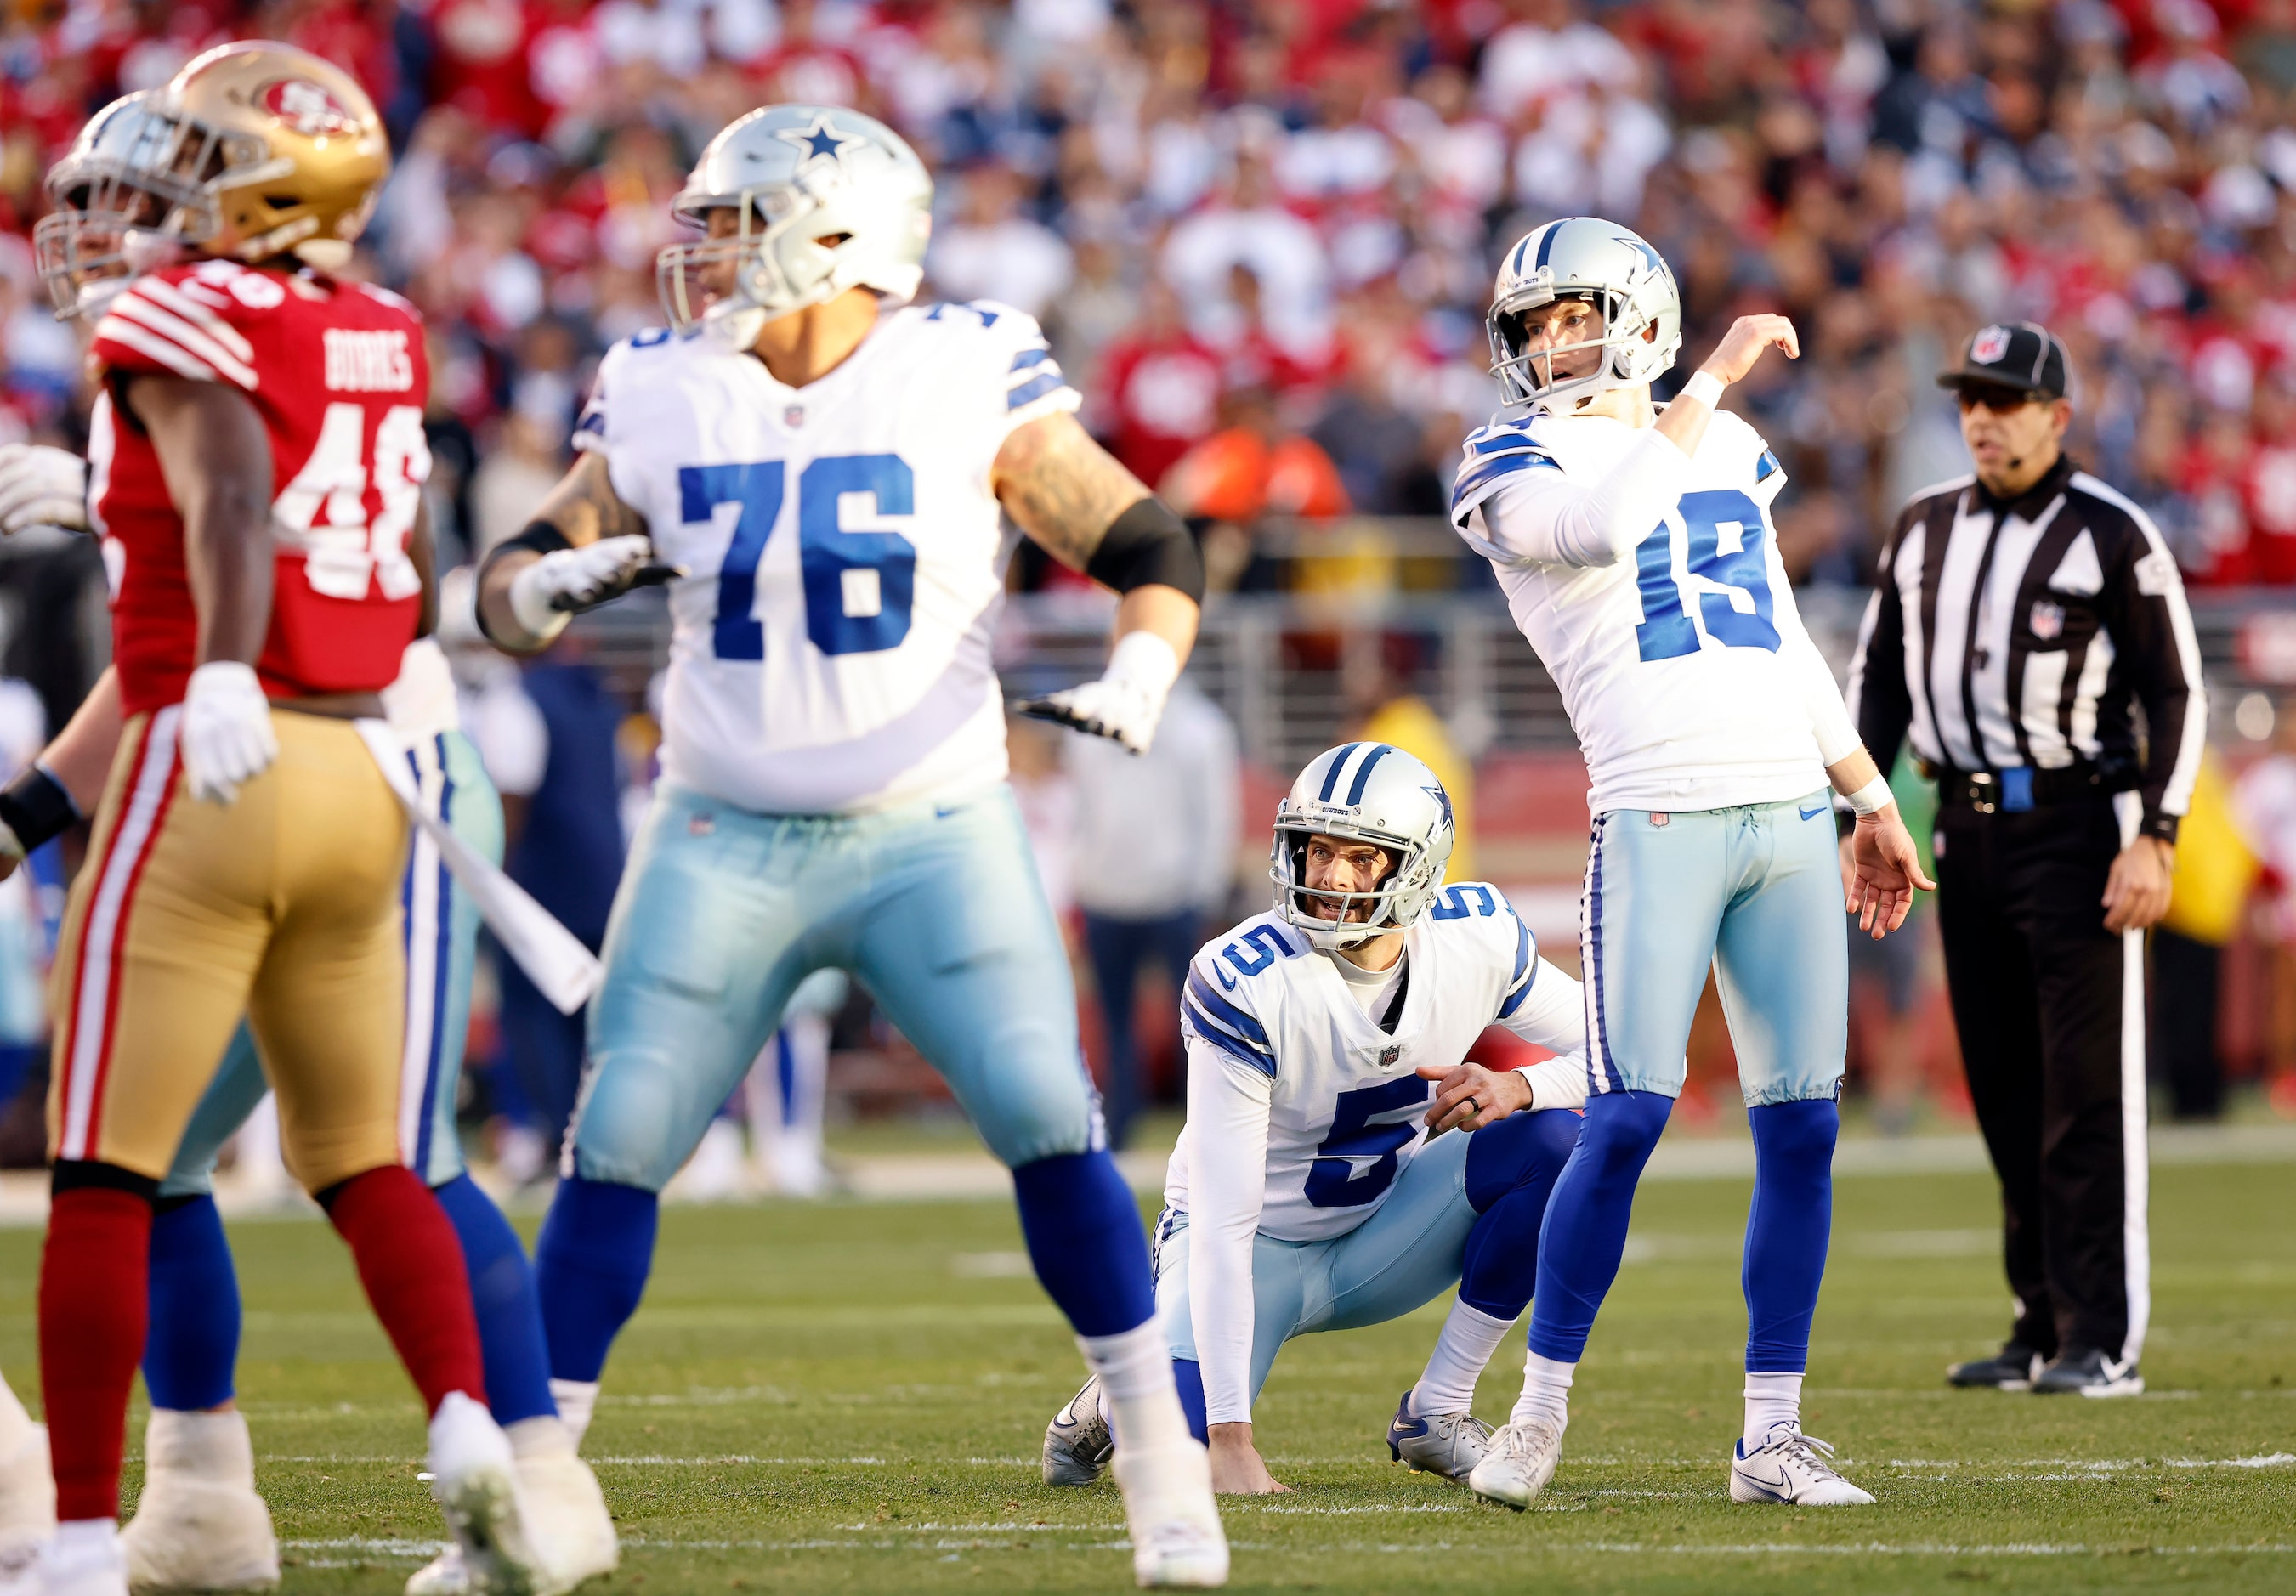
(539, 537)
(36, 808)
(1148, 545)
(2163, 827)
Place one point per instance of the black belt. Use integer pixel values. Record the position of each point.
(2025, 787)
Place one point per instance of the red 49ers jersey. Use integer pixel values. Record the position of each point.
(338, 372)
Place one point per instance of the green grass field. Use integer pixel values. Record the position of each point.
(850, 1397)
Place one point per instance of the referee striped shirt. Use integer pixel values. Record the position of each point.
(2023, 633)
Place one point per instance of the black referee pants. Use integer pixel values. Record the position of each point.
(2050, 1007)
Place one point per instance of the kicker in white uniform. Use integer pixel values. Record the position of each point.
(1306, 1192)
(1637, 555)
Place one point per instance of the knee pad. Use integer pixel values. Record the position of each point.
(1518, 1150)
(1622, 1127)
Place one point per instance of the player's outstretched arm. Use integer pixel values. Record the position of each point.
(1881, 869)
(583, 547)
(63, 785)
(1081, 505)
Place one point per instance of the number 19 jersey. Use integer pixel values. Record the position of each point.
(1685, 667)
(843, 553)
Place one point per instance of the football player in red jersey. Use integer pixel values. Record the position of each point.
(256, 465)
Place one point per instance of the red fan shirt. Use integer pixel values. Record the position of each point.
(338, 372)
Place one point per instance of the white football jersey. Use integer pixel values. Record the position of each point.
(844, 555)
(1346, 1109)
(1685, 667)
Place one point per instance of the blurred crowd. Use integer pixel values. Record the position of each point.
(1261, 232)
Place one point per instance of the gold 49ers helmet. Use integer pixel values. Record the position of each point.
(254, 151)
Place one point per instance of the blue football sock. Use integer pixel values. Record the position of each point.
(1189, 1376)
(193, 1339)
(591, 1263)
(1585, 1234)
(1787, 1230)
(1085, 1237)
(510, 1313)
(1510, 1172)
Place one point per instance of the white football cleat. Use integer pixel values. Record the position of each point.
(1174, 1525)
(475, 1480)
(1791, 1468)
(198, 1525)
(566, 1514)
(1447, 1444)
(565, 1508)
(84, 1559)
(28, 1501)
(1519, 1462)
(1077, 1442)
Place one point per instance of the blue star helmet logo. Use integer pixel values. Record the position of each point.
(820, 142)
(1657, 263)
(1442, 797)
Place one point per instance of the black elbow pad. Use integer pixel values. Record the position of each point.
(1148, 546)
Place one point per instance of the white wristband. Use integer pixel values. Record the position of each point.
(530, 605)
(1874, 796)
(1706, 388)
(1144, 660)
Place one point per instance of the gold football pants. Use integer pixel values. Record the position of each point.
(282, 905)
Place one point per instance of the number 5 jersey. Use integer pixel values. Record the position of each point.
(843, 553)
(1312, 1099)
(337, 372)
(1683, 665)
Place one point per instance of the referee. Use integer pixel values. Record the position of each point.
(2021, 618)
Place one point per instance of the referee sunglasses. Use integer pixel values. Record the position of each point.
(1999, 397)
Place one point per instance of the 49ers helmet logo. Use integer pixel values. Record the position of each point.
(306, 107)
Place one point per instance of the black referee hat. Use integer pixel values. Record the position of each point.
(2021, 355)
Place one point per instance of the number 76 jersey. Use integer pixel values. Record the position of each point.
(1685, 667)
(843, 548)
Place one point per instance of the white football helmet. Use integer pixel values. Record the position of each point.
(798, 174)
(1362, 792)
(1613, 269)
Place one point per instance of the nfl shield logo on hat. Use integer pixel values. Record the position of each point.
(1990, 345)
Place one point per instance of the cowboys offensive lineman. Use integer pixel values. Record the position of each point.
(1304, 1193)
(1636, 550)
(822, 469)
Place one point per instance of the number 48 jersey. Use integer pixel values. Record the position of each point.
(1274, 1034)
(1684, 666)
(336, 371)
(843, 552)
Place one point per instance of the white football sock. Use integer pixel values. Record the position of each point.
(214, 1448)
(1469, 1339)
(1546, 1390)
(540, 1436)
(577, 1400)
(1137, 1390)
(1770, 1399)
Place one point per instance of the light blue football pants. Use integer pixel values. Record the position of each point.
(935, 908)
(442, 933)
(1755, 892)
(1406, 1255)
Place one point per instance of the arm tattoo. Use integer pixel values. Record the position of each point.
(1062, 489)
(584, 506)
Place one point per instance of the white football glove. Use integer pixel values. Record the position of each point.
(1128, 701)
(547, 594)
(41, 486)
(227, 736)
